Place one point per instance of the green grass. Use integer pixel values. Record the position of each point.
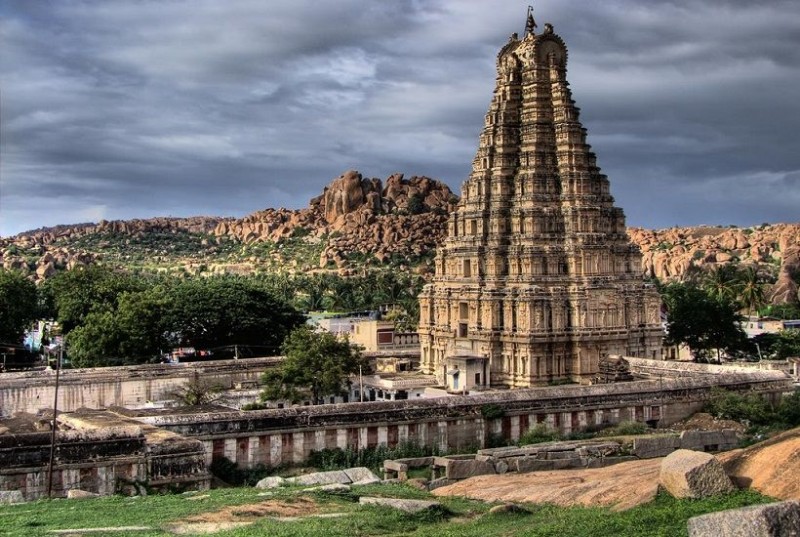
(663, 517)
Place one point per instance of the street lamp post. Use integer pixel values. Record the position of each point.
(54, 424)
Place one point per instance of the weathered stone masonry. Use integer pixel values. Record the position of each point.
(119, 386)
(274, 437)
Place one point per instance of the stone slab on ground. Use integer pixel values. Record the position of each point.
(409, 506)
(76, 494)
(11, 496)
(462, 469)
(320, 478)
(771, 467)
(361, 475)
(621, 486)
(529, 464)
(709, 440)
(650, 447)
(693, 474)
(271, 482)
(769, 520)
(334, 488)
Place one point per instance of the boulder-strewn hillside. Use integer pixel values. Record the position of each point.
(358, 222)
(404, 219)
(672, 254)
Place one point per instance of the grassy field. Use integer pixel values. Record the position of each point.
(291, 512)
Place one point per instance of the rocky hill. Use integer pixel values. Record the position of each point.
(358, 223)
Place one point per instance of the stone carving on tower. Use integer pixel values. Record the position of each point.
(537, 273)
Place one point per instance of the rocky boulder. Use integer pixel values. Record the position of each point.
(771, 467)
(770, 520)
(693, 474)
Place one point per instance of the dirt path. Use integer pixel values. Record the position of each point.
(621, 486)
(243, 515)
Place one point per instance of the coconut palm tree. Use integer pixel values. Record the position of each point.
(752, 293)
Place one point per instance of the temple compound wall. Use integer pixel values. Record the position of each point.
(120, 386)
(458, 423)
(537, 274)
(101, 453)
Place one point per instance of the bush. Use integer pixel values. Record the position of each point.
(788, 411)
(625, 428)
(750, 409)
(491, 411)
(372, 457)
(228, 471)
(539, 433)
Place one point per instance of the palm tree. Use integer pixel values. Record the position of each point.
(751, 290)
(722, 283)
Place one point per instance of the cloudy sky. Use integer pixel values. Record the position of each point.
(117, 109)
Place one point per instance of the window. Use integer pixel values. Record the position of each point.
(467, 268)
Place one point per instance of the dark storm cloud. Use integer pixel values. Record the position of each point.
(117, 109)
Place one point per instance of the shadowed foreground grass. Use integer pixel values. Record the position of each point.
(663, 517)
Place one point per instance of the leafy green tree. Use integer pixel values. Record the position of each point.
(777, 346)
(18, 305)
(416, 204)
(317, 364)
(701, 320)
(782, 311)
(214, 312)
(76, 293)
(203, 313)
(313, 293)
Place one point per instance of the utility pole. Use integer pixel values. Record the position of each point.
(53, 426)
(360, 384)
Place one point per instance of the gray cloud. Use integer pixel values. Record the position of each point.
(116, 109)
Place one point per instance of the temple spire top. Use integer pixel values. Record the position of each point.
(530, 24)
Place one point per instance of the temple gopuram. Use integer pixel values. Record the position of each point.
(537, 281)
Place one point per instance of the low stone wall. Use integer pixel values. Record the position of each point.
(559, 455)
(459, 423)
(112, 456)
(121, 386)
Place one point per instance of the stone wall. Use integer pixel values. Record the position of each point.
(119, 386)
(458, 423)
(102, 462)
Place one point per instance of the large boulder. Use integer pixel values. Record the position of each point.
(693, 474)
(770, 520)
(771, 467)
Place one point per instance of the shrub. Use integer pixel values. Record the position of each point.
(491, 411)
(539, 433)
(750, 409)
(372, 457)
(229, 472)
(625, 428)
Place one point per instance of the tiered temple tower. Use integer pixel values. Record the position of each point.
(537, 277)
